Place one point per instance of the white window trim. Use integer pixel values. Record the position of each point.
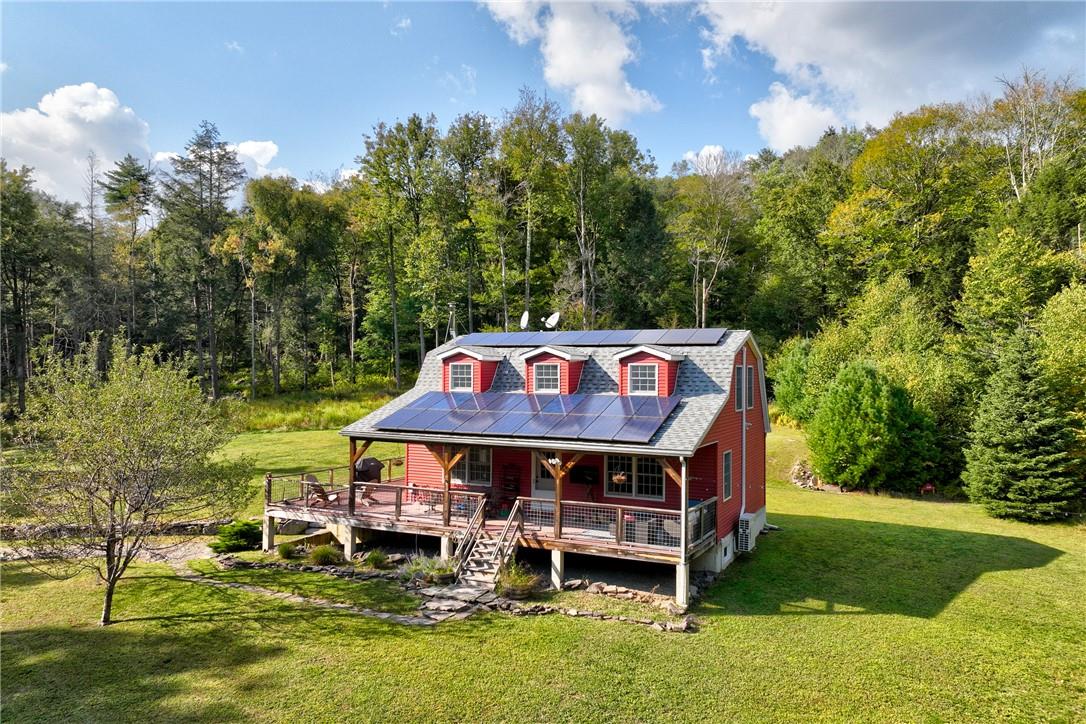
(750, 387)
(656, 378)
(631, 496)
(740, 385)
(727, 462)
(466, 462)
(471, 368)
(535, 376)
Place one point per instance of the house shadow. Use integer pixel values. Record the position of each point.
(820, 565)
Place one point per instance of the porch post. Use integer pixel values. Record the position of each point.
(559, 473)
(269, 534)
(558, 568)
(682, 570)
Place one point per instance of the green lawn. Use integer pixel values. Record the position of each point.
(861, 608)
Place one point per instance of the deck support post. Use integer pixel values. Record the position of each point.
(446, 547)
(558, 569)
(350, 543)
(269, 534)
(682, 584)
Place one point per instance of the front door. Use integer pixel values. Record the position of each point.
(542, 480)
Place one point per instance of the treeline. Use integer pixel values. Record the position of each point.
(919, 249)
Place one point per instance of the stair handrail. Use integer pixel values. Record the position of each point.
(471, 535)
(508, 538)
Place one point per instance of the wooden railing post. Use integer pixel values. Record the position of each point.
(620, 525)
(399, 504)
(267, 489)
(350, 496)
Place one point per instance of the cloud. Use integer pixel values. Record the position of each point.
(705, 152)
(585, 49)
(786, 120)
(859, 63)
(55, 137)
(461, 83)
(234, 47)
(3, 67)
(257, 157)
(401, 26)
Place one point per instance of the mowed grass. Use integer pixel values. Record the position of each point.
(862, 608)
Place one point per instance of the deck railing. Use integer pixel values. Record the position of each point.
(630, 525)
(506, 544)
(470, 536)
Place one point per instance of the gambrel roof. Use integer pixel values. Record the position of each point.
(703, 383)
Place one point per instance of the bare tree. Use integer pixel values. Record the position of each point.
(122, 455)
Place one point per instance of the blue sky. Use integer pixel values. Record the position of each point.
(297, 85)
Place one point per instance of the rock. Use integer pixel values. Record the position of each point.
(465, 593)
(608, 588)
(693, 592)
(674, 608)
(431, 591)
(572, 612)
(595, 587)
(487, 597)
(444, 604)
(574, 584)
(439, 615)
(395, 559)
(657, 627)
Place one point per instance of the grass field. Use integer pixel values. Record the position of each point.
(861, 608)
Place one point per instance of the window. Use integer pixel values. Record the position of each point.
(728, 475)
(739, 388)
(642, 379)
(637, 477)
(473, 468)
(750, 388)
(546, 378)
(461, 376)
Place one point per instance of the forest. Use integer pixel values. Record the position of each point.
(921, 278)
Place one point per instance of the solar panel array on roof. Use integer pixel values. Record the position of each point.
(609, 418)
(591, 338)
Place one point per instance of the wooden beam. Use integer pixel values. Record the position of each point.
(671, 472)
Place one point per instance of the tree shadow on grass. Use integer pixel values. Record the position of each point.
(821, 565)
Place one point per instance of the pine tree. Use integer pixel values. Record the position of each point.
(1018, 464)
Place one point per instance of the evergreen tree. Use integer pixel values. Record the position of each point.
(1018, 464)
(867, 434)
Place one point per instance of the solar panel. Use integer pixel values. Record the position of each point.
(707, 336)
(647, 336)
(586, 417)
(619, 336)
(603, 337)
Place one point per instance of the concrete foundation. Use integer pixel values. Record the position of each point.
(558, 569)
(682, 584)
(446, 547)
(717, 558)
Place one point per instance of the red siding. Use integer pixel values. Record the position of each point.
(666, 373)
(482, 372)
(566, 375)
(726, 434)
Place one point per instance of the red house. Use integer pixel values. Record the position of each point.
(589, 442)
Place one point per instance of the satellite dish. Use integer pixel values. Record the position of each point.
(524, 320)
(551, 321)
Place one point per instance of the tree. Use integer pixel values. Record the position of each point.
(1018, 463)
(788, 371)
(867, 434)
(129, 193)
(197, 196)
(135, 449)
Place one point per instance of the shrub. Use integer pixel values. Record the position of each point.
(375, 558)
(288, 551)
(325, 555)
(1019, 463)
(427, 567)
(517, 577)
(867, 434)
(789, 372)
(241, 535)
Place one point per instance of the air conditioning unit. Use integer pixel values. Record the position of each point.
(746, 534)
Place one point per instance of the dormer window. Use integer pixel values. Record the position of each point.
(461, 377)
(643, 379)
(546, 377)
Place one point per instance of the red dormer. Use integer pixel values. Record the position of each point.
(467, 370)
(552, 370)
(647, 370)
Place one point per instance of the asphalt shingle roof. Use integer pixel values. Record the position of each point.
(703, 383)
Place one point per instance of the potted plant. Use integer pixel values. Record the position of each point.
(618, 478)
(517, 581)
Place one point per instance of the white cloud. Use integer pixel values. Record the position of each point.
(3, 67)
(585, 48)
(234, 47)
(706, 151)
(859, 63)
(401, 26)
(67, 124)
(461, 83)
(257, 157)
(786, 120)
(162, 158)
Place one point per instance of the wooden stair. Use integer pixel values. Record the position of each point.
(481, 567)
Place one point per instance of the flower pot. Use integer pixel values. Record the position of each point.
(441, 577)
(517, 593)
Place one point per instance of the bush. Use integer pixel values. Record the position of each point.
(241, 535)
(375, 558)
(515, 577)
(789, 373)
(288, 551)
(326, 555)
(867, 434)
(1019, 462)
(427, 567)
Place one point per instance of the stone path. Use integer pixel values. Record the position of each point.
(442, 603)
